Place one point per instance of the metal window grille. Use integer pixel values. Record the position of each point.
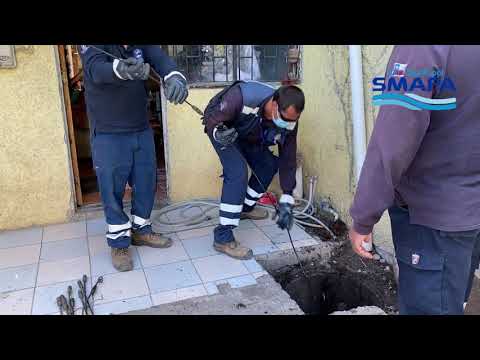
(219, 65)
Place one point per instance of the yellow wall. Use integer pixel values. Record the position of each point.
(35, 183)
(193, 165)
(325, 131)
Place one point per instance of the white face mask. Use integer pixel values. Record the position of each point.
(278, 121)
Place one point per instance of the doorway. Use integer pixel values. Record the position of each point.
(86, 187)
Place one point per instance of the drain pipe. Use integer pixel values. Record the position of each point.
(358, 109)
(358, 115)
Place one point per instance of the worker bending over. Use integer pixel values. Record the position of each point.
(242, 122)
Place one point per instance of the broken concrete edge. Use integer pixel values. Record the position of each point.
(361, 310)
(277, 260)
(264, 298)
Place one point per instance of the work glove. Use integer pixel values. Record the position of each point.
(131, 69)
(176, 89)
(225, 136)
(285, 212)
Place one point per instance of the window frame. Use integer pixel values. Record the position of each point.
(223, 84)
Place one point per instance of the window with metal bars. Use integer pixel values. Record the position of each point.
(219, 65)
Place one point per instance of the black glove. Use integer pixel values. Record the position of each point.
(224, 135)
(131, 69)
(176, 89)
(285, 212)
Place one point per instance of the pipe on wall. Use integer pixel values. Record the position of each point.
(358, 108)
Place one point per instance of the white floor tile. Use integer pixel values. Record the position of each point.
(241, 281)
(298, 244)
(178, 294)
(22, 237)
(120, 286)
(98, 244)
(97, 227)
(61, 271)
(211, 288)
(251, 237)
(199, 246)
(278, 235)
(195, 233)
(172, 276)
(264, 249)
(64, 249)
(64, 231)
(19, 256)
(16, 302)
(123, 306)
(252, 265)
(219, 267)
(18, 278)
(246, 224)
(158, 256)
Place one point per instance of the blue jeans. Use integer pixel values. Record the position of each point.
(119, 158)
(239, 193)
(436, 268)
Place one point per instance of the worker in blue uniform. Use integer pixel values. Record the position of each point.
(123, 148)
(242, 122)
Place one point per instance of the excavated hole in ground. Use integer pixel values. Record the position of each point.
(331, 292)
(340, 280)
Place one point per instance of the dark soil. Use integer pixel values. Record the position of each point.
(374, 275)
(346, 282)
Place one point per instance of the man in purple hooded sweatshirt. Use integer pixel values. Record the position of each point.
(423, 165)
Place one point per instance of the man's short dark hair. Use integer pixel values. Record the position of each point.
(289, 95)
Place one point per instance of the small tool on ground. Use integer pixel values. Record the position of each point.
(65, 305)
(82, 299)
(60, 305)
(94, 288)
(85, 278)
(85, 302)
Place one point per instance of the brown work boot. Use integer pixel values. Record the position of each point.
(121, 259)
(152, 239)
(255, 214)
(234, 250)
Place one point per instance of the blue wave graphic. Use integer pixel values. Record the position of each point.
(395, 102)
(410, 103)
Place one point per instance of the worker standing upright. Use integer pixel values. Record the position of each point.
(423, 165)
(242, 122)
(123, 147)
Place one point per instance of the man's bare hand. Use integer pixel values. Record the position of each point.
(356, 240)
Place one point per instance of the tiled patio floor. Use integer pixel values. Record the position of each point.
(38, 264)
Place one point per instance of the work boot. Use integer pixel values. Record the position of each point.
(151, 239)
(255, 214)
(234, 250)
(121, 259)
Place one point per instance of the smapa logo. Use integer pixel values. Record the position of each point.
(409, 80)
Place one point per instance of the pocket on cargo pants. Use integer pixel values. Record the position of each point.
(422, 288)
(421, 283)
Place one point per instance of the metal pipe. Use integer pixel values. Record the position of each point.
(358, 108)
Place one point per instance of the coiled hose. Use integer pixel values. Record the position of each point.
(207, 215)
